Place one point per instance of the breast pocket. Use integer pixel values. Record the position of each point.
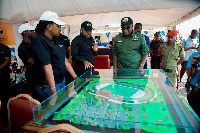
(164, 51)
(135, 45)
(120, 48)
(175, 54)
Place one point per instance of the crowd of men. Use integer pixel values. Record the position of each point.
(48, 56)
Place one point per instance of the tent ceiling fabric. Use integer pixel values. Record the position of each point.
(149, 18)
(102, 13)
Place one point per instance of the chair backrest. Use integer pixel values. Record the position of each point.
(20, 111)
(101, 62)
(63, 127)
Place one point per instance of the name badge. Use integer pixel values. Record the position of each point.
(120, 41)
(135, 39)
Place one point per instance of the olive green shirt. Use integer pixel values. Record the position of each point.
(130, 50)
(170, 55)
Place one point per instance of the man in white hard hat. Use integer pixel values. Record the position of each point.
(25, 54)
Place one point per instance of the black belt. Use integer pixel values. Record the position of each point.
(169, 70)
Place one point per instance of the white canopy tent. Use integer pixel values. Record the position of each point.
(102, 13)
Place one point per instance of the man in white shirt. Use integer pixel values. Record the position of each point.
(189, 48)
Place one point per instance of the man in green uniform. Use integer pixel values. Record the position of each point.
(170, 53)
(130, 50)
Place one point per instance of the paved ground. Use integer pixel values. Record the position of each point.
(182, 88)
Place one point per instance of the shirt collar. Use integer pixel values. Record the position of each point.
(190, 39)
(25, 43)
(45, 37)
(84, 37)
(53, 41)
(174, 46)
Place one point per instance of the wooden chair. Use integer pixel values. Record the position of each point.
(20, 111)
(61, 127)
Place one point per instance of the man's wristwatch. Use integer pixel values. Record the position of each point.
(142, 65)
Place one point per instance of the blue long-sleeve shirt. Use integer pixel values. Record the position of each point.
(197, 72)
(148, 44)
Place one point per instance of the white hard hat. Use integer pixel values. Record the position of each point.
(25, 27)
(35, 24)
(51, 16)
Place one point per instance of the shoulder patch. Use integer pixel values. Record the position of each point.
(118, 36)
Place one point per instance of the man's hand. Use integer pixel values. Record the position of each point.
(180, 61)
(115, 72)
(194, 59)
(87, 64)
(140, 67)
(53, 90)
(95, 48)
(30, 62)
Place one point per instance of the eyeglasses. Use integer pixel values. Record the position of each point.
(127, 28)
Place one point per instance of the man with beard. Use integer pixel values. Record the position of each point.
(83, 49)
(170, 53)
(25, 54)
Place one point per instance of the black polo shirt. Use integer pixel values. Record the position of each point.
(82, 49)
(66, 43)
(4, 52)
(47, 52)
(24, 52)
